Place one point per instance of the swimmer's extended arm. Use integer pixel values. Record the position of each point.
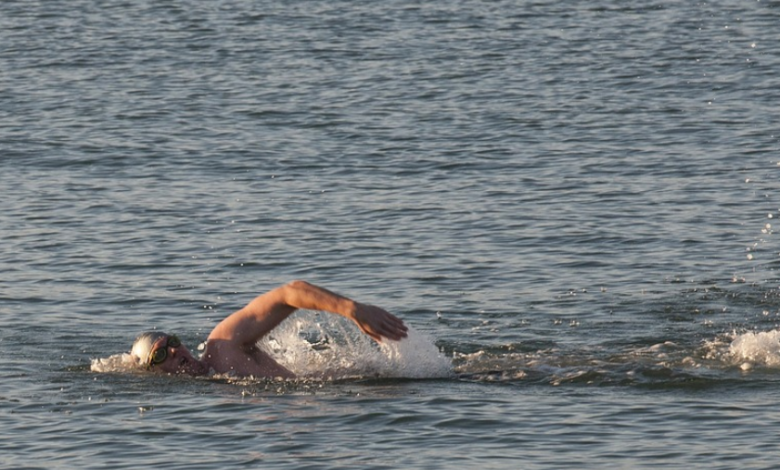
(268, 310)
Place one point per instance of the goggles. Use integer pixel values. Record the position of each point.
(160, 354)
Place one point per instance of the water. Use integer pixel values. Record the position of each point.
(573, 206)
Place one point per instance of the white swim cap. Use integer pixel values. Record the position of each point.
(142, 346)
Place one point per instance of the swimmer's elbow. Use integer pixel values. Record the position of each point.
(297, 285)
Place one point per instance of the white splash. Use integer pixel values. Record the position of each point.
(122, 363)
(756, 349)
(329, 347)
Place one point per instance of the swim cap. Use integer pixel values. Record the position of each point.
(142, 346)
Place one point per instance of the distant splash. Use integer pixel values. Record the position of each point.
(751, 350)
(322, 347)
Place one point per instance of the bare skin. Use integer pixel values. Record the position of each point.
(231, 346)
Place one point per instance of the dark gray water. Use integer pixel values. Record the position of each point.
(572, 202)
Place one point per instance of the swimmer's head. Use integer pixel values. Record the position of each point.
(160, 352)
(142, 347)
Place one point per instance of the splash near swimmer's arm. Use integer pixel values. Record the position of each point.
(373, 321)
(268, 310)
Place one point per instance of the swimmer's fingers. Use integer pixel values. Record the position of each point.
(390, 330)
(394, 328)
(378, 323)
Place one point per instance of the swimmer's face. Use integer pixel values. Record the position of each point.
(177, 358)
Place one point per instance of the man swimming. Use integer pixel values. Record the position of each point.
(231, 348)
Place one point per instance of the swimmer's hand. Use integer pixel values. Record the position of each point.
(378, 323)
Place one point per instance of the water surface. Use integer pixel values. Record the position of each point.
(574, 205)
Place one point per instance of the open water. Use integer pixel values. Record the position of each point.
(572, 204)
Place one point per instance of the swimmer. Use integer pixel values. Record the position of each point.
(231, 348)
